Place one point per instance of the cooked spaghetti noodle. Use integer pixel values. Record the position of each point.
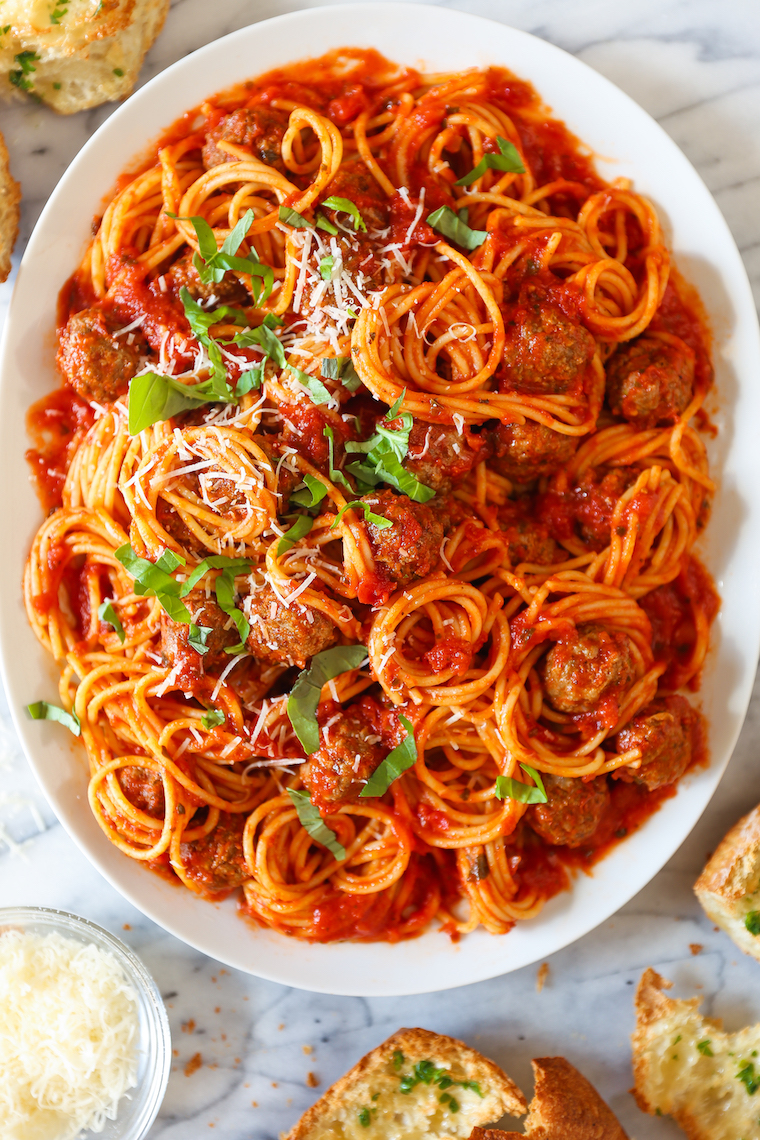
(360, 357)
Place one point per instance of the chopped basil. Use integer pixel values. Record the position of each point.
(212, 718)
(312, 822)
(211, 263)
(507, 788)
(394, 765)
(704, 1047)
(748, 1077)
(346, 206)
(299, 530)
(154, 580)
(250, 379)
(305, 694)
(293, 218)
(310, 495)
(43, 710)
(316, 389)
(341, 368)
(507, 160)
(225, 599)
(357, 504)
(154, 397)
(454, 228)
(200, 321)
(198, 637)
(365, 1118)
(265, 339)
(335, 475)
(108, 614)
(752, 922)
(214, 562)
(326, 266)
(323, 224)
(384, 453)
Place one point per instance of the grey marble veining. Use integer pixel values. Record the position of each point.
(695, 66)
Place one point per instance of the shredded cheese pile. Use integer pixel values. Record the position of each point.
(68, 1036)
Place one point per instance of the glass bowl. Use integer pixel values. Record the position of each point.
(139, 1107)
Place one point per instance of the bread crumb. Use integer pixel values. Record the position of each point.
(307, 1049)
(254, 1104)
(126, 926)
(541, 976)
(281, 1027)
(188, 1026)
(696, 948)
(193, 1065)
(312, 1080)
(275, 1085)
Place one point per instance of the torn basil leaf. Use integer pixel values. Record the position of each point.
(341, 368)
(43, 710)
(295, 533)
(305, 694)
(198, 637)
(394, 765)
(357, 505)
(154, 580)
(154, 397)
(107, 614)
(314, 386)
(323, 224)
(311, 821)
(311, 495)
(326, 266)
(212, 718)
(292, 218)
(507, 788)
(456, 230)
(346, 206)
(335, 475)
(508, 159)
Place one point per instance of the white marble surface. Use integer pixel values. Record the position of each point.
(695, 66)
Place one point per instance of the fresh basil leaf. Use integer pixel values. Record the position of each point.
(326, 267)
(364, 473)
(266, 340)
(42, 710)
(200, 321)
(305, 694)
(346, 206)
(390, 471)
(250, 379)
(394, 765)
(155, 581)
(108, 614)
(316, 389)
(311, 821)
(153, 397)
(452, 227)
(507, 160)
(324, 224)
(341, 368)
(225, 599)
(214, 562)
(212, 718)
(310, 495)
(293, 218)
(295, 533)
(356, 504)
(198, 637)
(507, 788)
(169, 561)
(335, 475)
(395, 408)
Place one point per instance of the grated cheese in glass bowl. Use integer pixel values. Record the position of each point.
(85, 1048)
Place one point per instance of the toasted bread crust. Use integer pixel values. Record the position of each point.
(10, 197)
(734, 869)
(566, 1106)
(416, 1045)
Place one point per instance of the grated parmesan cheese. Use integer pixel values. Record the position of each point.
(68, 1036)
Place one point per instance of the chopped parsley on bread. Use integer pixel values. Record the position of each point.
(75, 54)
(686, 1067)
(729, 886)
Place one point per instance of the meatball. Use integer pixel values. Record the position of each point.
(585, 666)
(526, 451)
(529, 541)
(545, 351)
(215, 863)
(439, 454)
(650, 380)
(411, 546)
(175, 645)
(97, 364)
(285, 634)
(144, 789)
(663, 731)
(573, 811)
(258, 129)
(228, 291)
(351, 749)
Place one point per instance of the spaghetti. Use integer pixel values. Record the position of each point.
(376, 481)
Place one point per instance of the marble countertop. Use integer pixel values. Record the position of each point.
(695, 66)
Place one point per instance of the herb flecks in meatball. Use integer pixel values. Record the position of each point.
(524, 452)
(215, 863)
(257, 129)
(545, 351)
(650, 380)
(573, 811)
(663, 732)
(285, 632)
(586, 665)
(98, 364)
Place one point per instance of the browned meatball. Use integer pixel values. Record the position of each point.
(285, 634)
(530, 541)
(258, 129)
(439, 454)
(350, 751)
(663, 731)
(650, 380)
(144, 789)
(586, 665)
(545, 351)
(526, 451)
(97, 364)
(228, 291)
(410, 547)
(573, 811)
(215, 863)
(175, 646)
